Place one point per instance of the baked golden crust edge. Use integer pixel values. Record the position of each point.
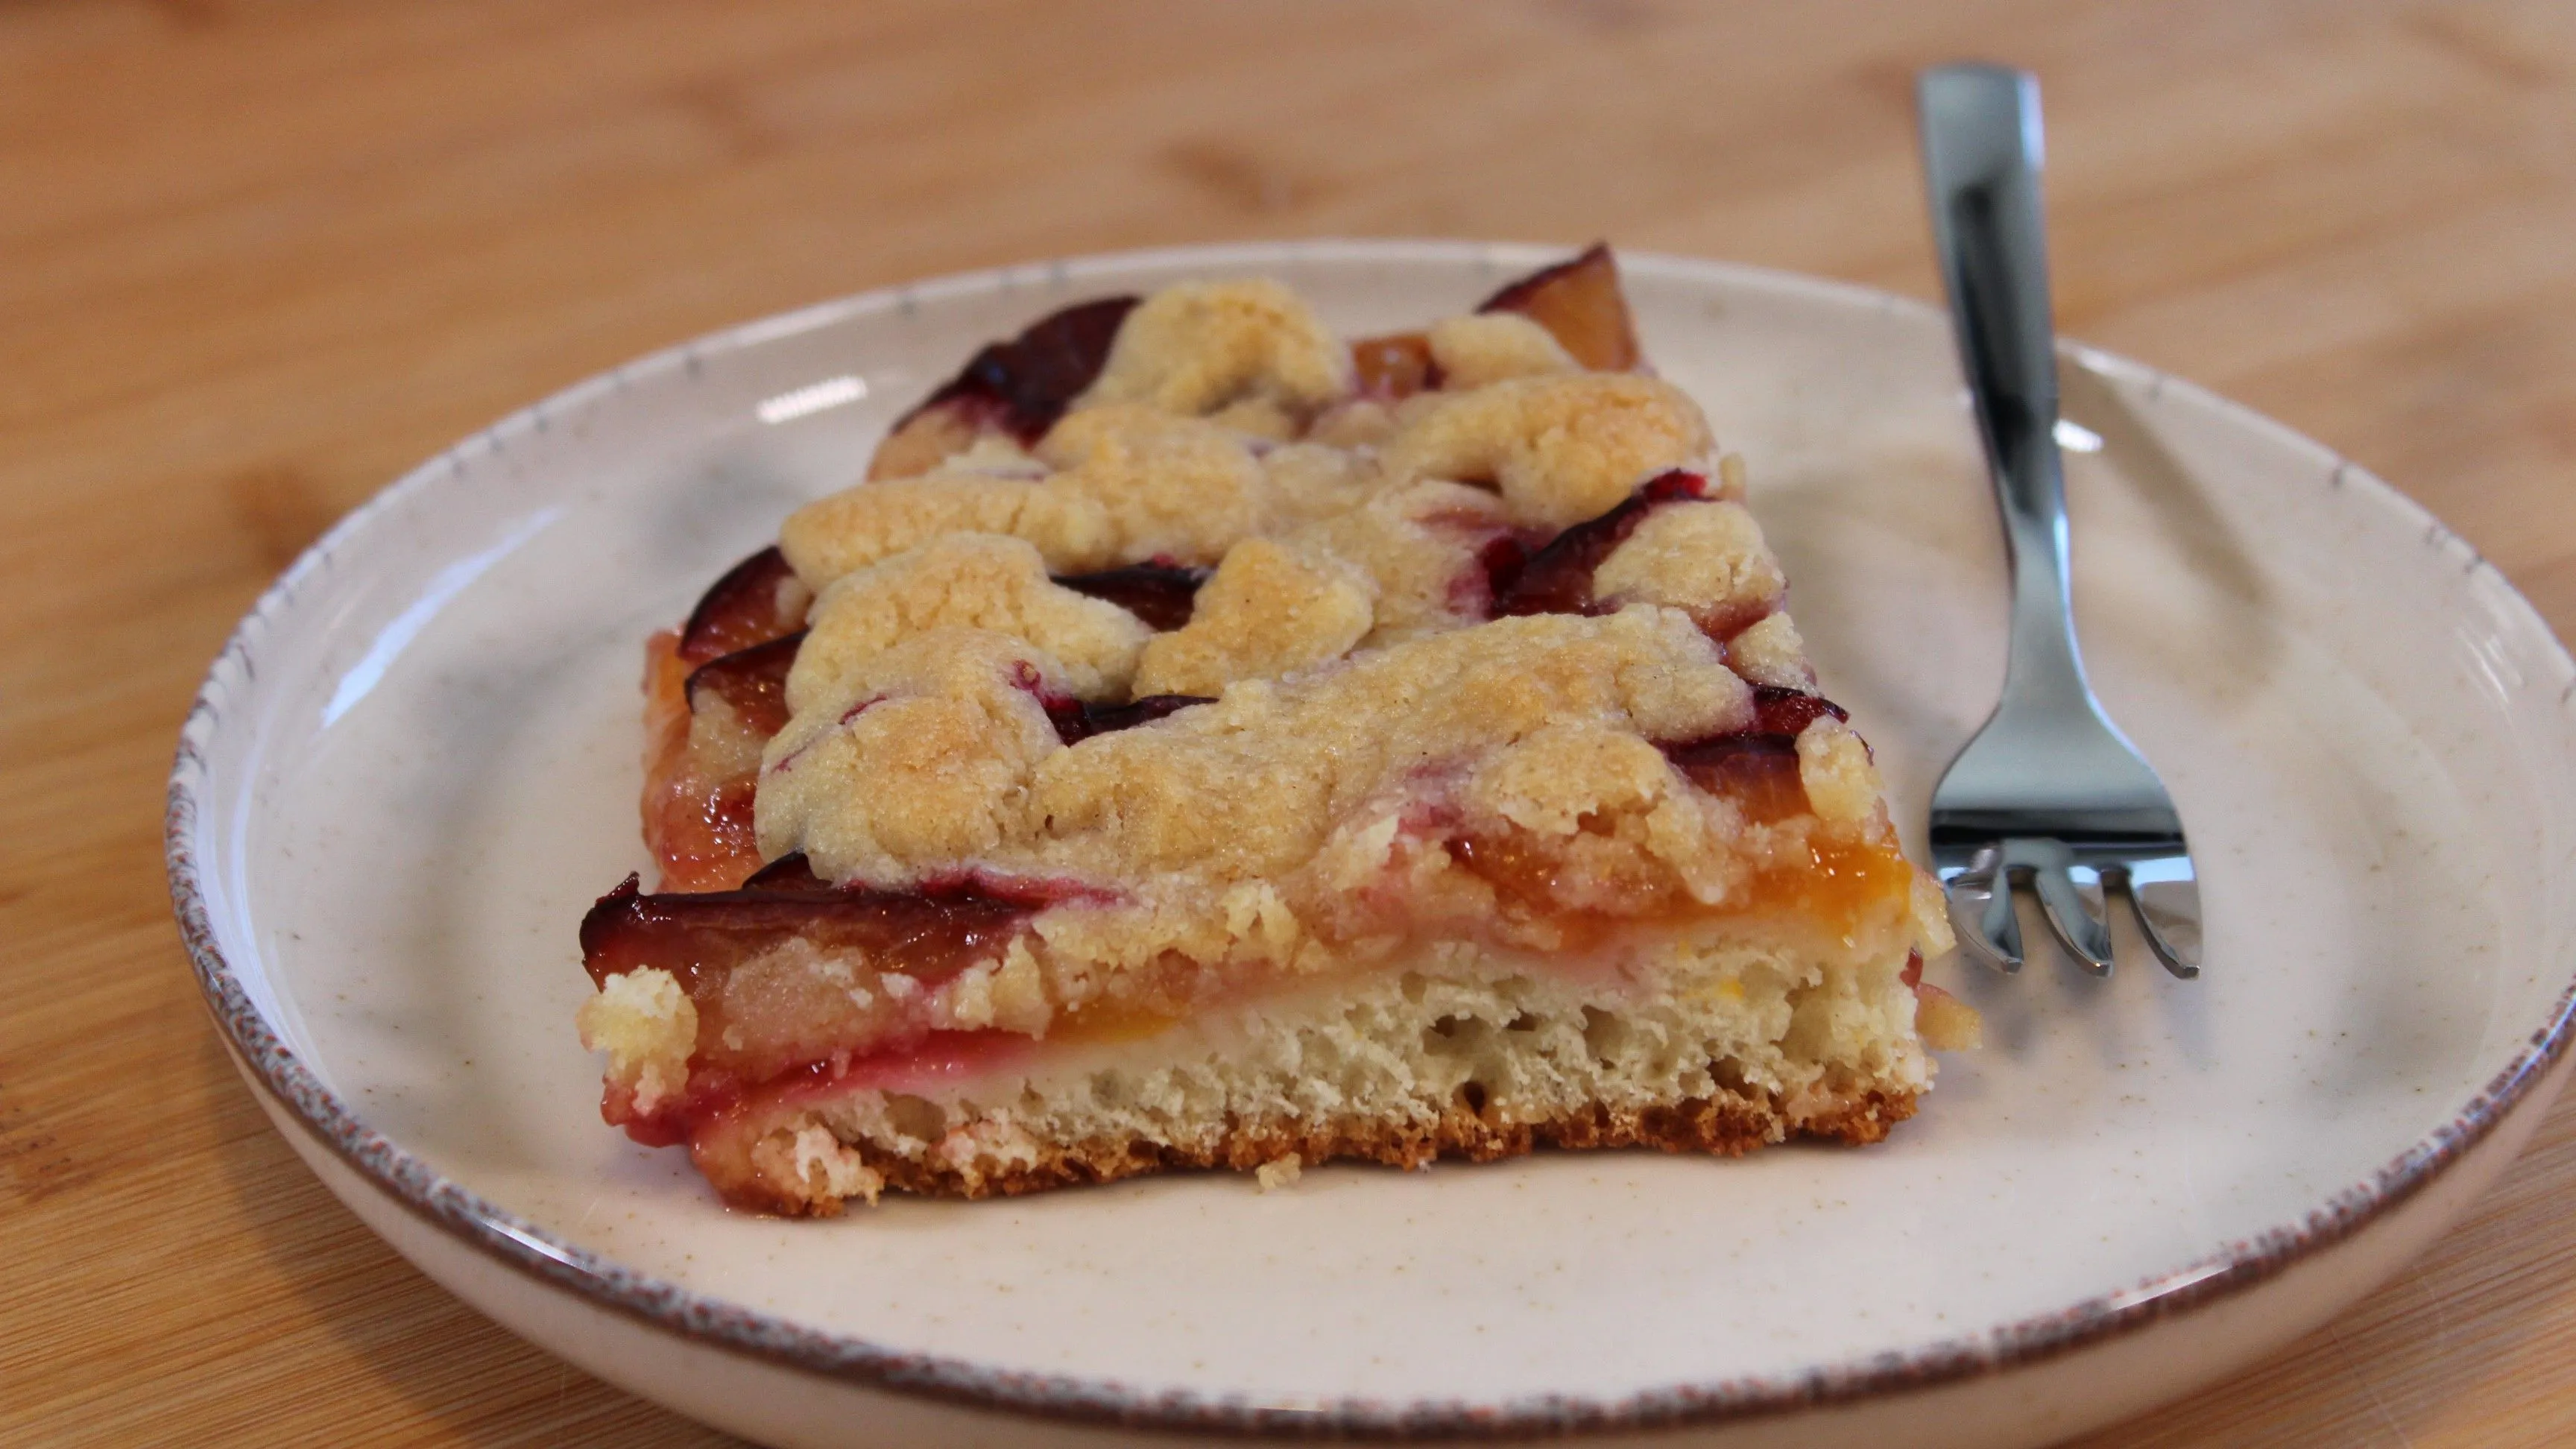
(1729, 1126)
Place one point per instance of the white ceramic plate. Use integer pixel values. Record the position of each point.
(416, 764)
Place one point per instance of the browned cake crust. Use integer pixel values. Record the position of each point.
(1705, 1126)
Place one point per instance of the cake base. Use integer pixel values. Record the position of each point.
(1721, 1048)
(1705, 1126)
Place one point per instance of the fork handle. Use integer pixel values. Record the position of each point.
(1981, 156)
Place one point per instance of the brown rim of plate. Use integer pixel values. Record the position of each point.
(513, 1240)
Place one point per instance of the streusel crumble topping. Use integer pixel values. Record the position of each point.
(1345, 639)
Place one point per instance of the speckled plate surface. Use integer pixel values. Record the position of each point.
(416, 765)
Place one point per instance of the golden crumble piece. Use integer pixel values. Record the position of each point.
(1606, 818)
(1265, 419)
(1770, 652)
(1175, 487)
(921, 756)
(1129, 484)
(1355, 423)
(648, 1026)
(1842, 785)
(1200, 347)
(1550, 781)
(1009, 993)
(1706, 559)
(1310, 481)
(1291, 758)
(1270, 609)
(1560, 449)
(856, 527)
(1419, 545)
(1488, 347)
(965, 580)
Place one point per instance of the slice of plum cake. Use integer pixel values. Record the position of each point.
(1205, 741)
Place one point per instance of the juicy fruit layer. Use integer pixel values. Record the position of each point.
(1180, 660)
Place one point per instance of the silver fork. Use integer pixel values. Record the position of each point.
(2049, 794)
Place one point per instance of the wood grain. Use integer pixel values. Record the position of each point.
(257, 258)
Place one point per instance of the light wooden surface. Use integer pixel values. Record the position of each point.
(256, 259)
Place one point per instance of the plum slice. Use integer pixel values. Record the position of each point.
(1785, 713)
(1394, 367)
(701, 770)
(1757, 766)
(1159, 591)
(1076, 721)
(757, 600)
(1558, 578)
(700, 936)
(737, 646)
(1580, 303)
(697, 813)
(752, 682)
(1019, 388)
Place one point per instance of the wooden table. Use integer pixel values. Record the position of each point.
(256, 259)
